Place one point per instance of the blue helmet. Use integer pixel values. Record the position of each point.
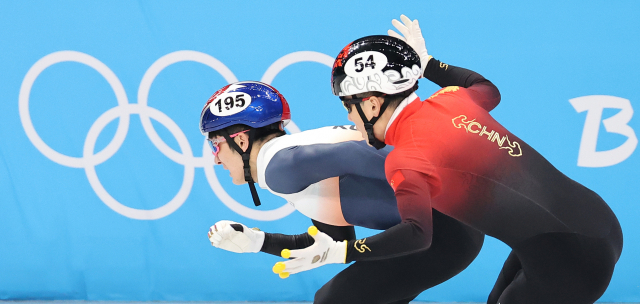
(250, 103)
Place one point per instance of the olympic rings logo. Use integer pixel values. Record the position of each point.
(90, 159)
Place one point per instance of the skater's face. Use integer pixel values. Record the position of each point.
(228, 157)
(357, 120)
(367, 107)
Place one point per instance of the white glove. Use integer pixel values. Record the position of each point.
(323, 251)
(412, 36)
(245, 239)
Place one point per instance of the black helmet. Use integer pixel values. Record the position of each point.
(375, 64)
(378, 63)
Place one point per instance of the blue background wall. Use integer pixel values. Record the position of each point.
(72, 225)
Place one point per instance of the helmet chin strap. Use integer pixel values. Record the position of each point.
(246, 155)
(368, 125)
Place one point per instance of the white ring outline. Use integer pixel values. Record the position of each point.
(145, 86)
(124, 110)
(189, 170)
(25, 118)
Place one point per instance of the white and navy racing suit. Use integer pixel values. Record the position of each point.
(331, 176)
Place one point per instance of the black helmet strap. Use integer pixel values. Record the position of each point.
(368, 125)
(246, 155)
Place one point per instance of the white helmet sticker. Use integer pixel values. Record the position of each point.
(365, 64)
(230, 103)
(389, 81)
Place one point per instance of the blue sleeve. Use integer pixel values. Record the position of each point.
(293, 169)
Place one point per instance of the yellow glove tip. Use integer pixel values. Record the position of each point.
(312, 230)
(284, 275)
(279, 267)
(285, 253)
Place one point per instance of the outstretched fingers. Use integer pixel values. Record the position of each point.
(401, 27)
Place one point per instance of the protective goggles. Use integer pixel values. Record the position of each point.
(346, 103)
(215, 142)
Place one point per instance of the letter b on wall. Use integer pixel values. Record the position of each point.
(595, 104)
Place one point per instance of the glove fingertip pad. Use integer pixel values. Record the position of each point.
(312, 230)
(279, 267)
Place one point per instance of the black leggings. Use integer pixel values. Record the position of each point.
(563, 268)
(401, 279)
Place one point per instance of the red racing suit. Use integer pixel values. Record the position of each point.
(450, 154)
